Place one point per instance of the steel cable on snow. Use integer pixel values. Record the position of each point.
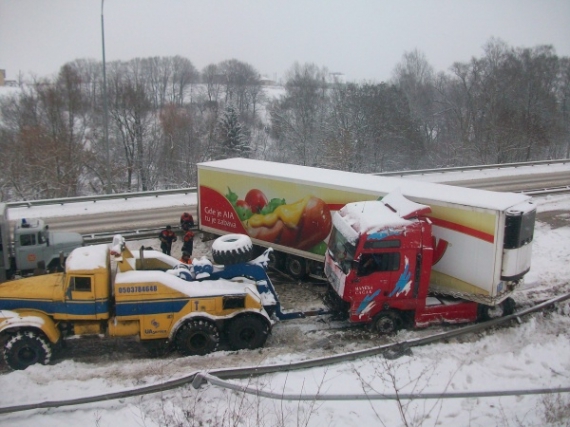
(203, 377)
(234, 373)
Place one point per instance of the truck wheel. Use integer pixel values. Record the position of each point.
(247, 332)
(275, 260)
(296, 267)
(506, 308)
(197, 337)
(386, 323)
(232, 249)
(25, 349)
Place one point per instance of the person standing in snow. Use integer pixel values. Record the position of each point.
(186, 221)
(167, 237)
(188, 245)
(185, 259)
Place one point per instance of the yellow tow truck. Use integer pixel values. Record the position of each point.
(113, 291)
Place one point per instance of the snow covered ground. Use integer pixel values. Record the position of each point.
(533, 354)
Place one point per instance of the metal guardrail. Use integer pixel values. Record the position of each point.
(478, 167)
(129, 235)
(98, 238)
(158, 193)
(553, 190)
(95, 198)
(149, 233)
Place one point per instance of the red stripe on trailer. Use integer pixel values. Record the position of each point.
(463, 229)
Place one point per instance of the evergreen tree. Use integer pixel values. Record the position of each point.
(233, 140)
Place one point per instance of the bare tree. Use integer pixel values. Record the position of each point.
(181, 148)
(508, 105)
(46, 126)
(212, 79)
(168, 79)
(131, 112)
(298, 118)
(563, 94)
(416, 78)
(242, 87)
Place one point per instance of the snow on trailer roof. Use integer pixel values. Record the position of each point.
(373, 184)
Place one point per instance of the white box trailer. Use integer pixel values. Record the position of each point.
(482, 238)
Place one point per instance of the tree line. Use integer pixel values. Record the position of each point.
(164, 116)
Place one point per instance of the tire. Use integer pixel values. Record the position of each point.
(509, 306)
(197, 338)
(387, 323)
(232, 249)
(275, 260)
(247, 332)
(505, 308)
(296, 267)
(26, 349)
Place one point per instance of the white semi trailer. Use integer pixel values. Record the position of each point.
(482, 238)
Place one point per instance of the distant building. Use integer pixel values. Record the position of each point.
(2, 77)
(338, 77)
(266, 81)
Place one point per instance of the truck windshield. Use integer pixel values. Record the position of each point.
(341, 250)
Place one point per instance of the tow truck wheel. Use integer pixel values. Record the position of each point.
(25, 349)
(505, 308)
(197, 337)
(247, 332)
(386, 323)
(296, 267)
(232, 249)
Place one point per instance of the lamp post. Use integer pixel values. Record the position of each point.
(108, 189)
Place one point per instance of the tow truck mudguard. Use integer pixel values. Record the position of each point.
(12, 320)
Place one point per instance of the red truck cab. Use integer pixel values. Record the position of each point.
(379, 261)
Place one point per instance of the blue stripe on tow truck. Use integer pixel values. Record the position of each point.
(77, 308)
(138, 308)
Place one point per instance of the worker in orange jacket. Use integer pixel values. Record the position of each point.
(188, 245)
(167, 237)
(185, 259)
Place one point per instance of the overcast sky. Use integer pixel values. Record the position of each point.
(363, 39)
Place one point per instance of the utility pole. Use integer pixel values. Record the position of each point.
(108, 188)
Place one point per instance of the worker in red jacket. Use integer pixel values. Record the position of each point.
(188, 245)
(186, 221)
(167, 237)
